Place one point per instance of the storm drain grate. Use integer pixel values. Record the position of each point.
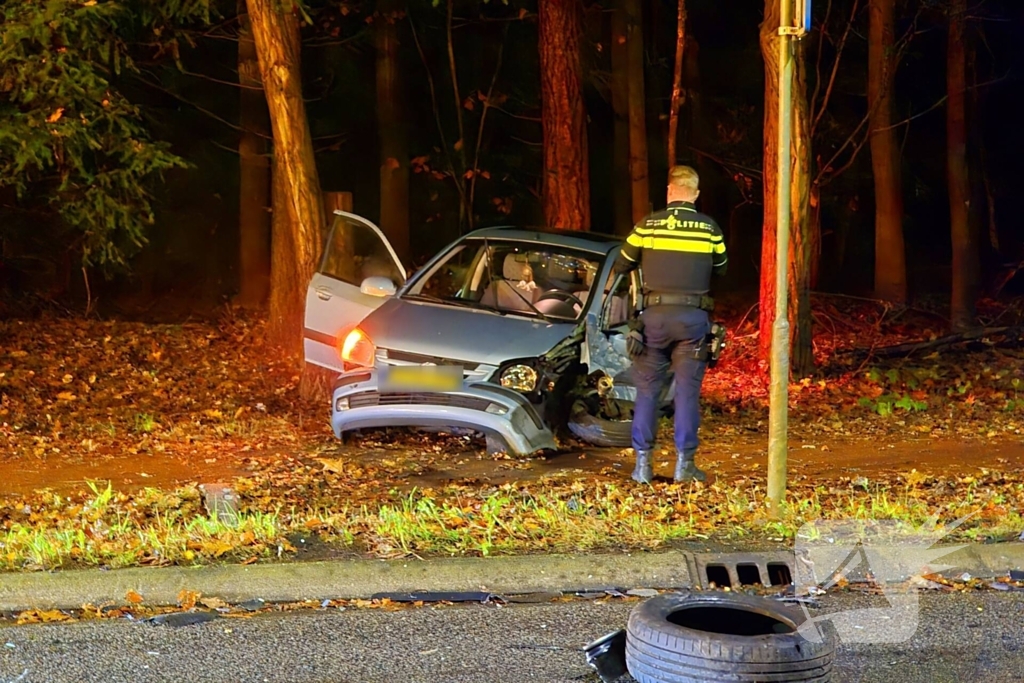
(735, 570)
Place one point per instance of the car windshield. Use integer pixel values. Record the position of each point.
(535, 280)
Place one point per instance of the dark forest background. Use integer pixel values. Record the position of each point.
(189, 263)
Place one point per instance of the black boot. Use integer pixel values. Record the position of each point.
(644, 470)
(686, 470)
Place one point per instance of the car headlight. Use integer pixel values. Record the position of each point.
(358, 349)
(520, 378)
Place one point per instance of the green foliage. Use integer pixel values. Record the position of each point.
(898, 383)
(70, 141)
(887, 404)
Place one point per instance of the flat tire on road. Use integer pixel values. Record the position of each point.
(719, 637)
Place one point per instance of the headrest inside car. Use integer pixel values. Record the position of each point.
(515, 267)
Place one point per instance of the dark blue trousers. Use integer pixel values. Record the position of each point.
(671, 335)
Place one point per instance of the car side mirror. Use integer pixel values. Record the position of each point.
(377, 286)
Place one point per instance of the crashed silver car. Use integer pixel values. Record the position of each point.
(509, 332)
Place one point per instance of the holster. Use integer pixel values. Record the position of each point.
(710, 348)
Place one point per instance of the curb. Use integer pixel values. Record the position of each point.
(361, 579)
(345, 579)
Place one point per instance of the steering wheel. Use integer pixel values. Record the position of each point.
(559, 294)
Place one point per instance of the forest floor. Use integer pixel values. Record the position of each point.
(108, 429)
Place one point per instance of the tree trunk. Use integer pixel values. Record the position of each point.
(566, 185)
(276, 33)
(394, 150)
(638, 169)
(254, 173)
(801, 227)
(890, 254)
(621, 189)
(815, 208)
(803, 241)
(284, 290)
(677, 84)
(714, 201)
(965, 248)
(983, 216)
(770, 53)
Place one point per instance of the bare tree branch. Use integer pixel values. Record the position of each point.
(515, 116)
(821, 44)
(727, 165)
(437, 111)
(835, 70)
(221, 81)
(461, 143)
(480, 130)
(202, 110)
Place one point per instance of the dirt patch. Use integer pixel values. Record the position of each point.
(851, 458)
(434, 461)
(126, 472)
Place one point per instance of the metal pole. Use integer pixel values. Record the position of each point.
(779, 399)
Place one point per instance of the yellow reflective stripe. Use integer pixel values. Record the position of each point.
(719, 247)
(690, 234)
(634, 239)
(693, 246)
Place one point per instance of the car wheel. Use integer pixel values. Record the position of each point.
(608, 422)
(700, 638)
(613, 431)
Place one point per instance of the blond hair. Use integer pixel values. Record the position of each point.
(683, 177)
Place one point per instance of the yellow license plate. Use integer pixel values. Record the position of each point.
(401, 378)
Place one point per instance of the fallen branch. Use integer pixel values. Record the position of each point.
(1005, 279)
(1011, 334)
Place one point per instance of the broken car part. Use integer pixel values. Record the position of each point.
(607, 655)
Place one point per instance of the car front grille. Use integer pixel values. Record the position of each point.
(373, 398)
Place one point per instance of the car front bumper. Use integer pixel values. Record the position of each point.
(357, 403)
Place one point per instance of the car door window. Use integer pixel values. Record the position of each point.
(620, 307)
(336, 302)
(356, 250)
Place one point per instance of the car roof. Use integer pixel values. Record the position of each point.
(579, 239)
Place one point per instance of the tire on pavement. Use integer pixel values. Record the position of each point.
(709, 637)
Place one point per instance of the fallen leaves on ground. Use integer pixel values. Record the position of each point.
(84, 390)
(75, 386)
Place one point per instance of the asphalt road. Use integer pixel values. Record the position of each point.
(977, 637)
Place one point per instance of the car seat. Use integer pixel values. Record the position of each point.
(588, 281)
(509, 294)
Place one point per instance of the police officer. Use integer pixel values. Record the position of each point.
(678, 248)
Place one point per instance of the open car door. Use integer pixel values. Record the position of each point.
(607, 343)
(358, 272)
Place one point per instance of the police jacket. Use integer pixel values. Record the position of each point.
(678, 248)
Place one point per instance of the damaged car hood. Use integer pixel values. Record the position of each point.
(464, 334)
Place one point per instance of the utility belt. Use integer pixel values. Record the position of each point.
(701, 301)
(708, 349)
